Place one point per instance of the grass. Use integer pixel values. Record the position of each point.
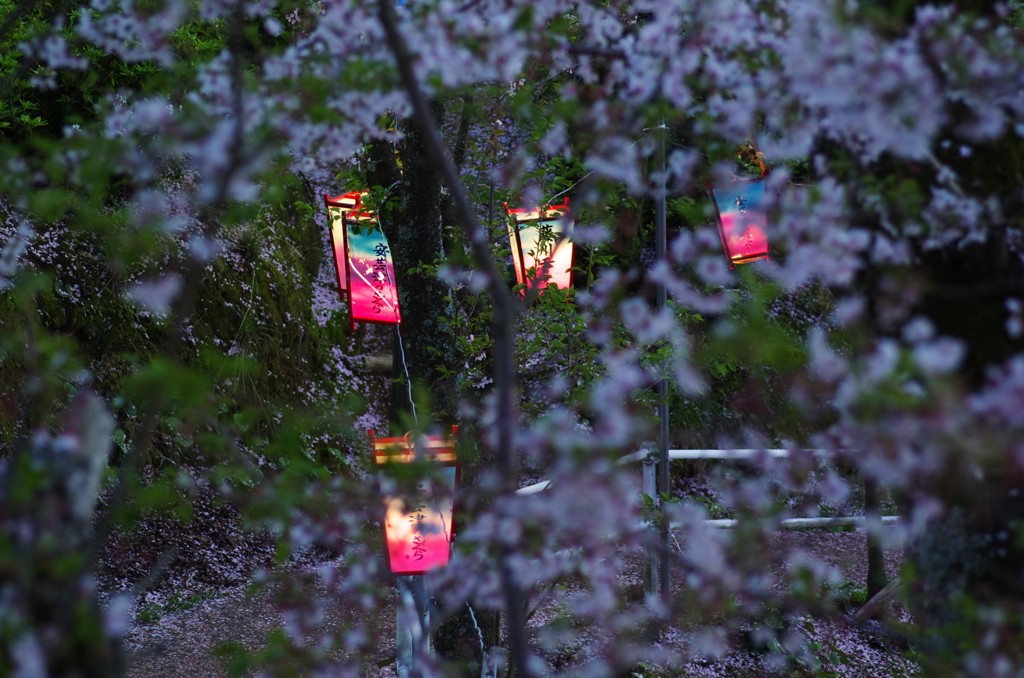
(151, 613)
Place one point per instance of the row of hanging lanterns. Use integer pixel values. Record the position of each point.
(540, 240)
(418, 523)
(542, 255)
(419, 526)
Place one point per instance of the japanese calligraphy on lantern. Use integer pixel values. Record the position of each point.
(742, 221)
(372, 292)
(418, 519)
(366, 272)
(541, 250)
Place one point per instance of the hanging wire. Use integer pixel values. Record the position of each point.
(561, 193)
(585, 176)
(401, 344)
(479, 633)
(408, 379)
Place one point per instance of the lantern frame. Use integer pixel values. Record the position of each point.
(440, 450)
(353, 213)
(756, 222)
(544, 276)
(343, 204)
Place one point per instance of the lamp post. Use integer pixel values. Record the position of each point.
(661, 250)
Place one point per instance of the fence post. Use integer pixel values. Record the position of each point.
(872, 526)
(652, 560)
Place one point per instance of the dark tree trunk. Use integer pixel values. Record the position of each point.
(412, 221)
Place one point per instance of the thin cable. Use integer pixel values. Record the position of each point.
(484, 657)
(585, 176)
(408, 379)
(479, 633)
(552, 198)
(401, 344)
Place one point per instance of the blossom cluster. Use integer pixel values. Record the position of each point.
(882, 140)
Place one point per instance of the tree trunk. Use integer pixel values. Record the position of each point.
(412, 221)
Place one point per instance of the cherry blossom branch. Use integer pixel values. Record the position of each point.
(587, 50)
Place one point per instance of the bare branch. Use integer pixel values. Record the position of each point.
(585, 50)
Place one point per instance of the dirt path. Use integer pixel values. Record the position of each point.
(182, 644)
(191, 643)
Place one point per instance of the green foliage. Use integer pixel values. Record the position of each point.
(814, 659)
(151, 613)
(647, 670)
(749, 356)
(851, 595)
(252, 345)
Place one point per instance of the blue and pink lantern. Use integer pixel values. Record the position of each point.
(742, 220)
(362, 260)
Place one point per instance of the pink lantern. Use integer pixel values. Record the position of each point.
(742, 221)
(541, 250)
(419, 526)
(366, 272)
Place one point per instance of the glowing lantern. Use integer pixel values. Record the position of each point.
(541, 250)
(742, 221)
(418, 524)
(366, 272)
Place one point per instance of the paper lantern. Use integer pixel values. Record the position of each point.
(418, 524)
(366, 272)
(541, 250)
(742, 221)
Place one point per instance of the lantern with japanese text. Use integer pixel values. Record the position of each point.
(365, 270)
(742, 220)
(419, 517)
(541, 249)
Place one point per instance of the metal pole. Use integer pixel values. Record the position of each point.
(404, 651)
(876, 555)
(661, 246)
(652, 559)
(412, 625)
